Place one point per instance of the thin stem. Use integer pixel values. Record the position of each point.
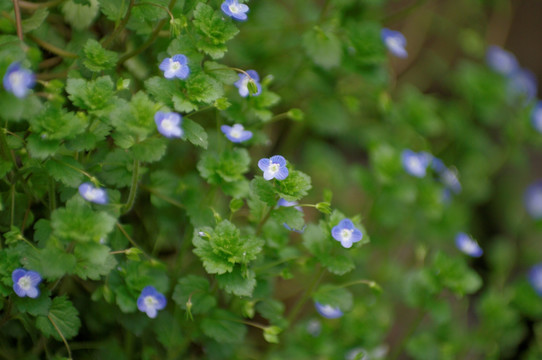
(299, 305)
(133, 189)
(164, 197)
(92, 178)
(12, 204)
(118, 29)
(263, 221)
(158, 6)
(123, 231)
(53, 49)
(18, 19)
(61, 336)
(149, 41)
(250, 323)
(52, 195)
(32, 6)
(369, 283)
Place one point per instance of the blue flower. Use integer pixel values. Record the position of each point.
(415, 163)
(450, 180)
(283, 202)
(18, 80)
(535, 278)
(328, 311)
(274, 168)
(536, 116)
(523, 83)
(346, 233)
(168, 124)
(233, 9)
(236, 133)
(501, 60)
(177, 66)
(242, 83)
(533, 200)
(93, 194)
(467, 245)
(150, 301)
(314, 327)
(25, 283)
(395, 42)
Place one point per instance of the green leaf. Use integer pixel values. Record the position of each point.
(295, 186)
(203, 88)
(80, 16)
(35, 21)
(228, 166)
(289, 216)
(213, 30)
(238, 282)
(220, 72)
(78, 222)
(66, 169)
(150, 150)
(334, 296)
(197, 290)
(195, 133)
(52, 263)
(135, 118)
(55, 123)
(264, 190)
(35, 307)
(96, 58)
(92, 95)
(113, 9)
(223, 326)
(323, 47)
(93, 260)
(454, 274)
(117, 168)
(161, 89)
(270, 334)
(65, 318)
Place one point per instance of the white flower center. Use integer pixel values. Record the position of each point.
(167, 124)
(469, 246)
(346, 234)
(175, 65)
(274, 168)
(415, 165)
(150, 301)
(24, 283)
(234, 8)
(92, 194)
(16, 78)
(236, 133)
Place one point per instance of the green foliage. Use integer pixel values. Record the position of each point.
(97, 58)
(61, 321)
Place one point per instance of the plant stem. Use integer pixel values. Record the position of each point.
(133, 189)
(164, 197)
(61, 336)
(123, 231)
(53, 49)
(118, 29)
(299, 305)
(32, 6)
(18, 19)
(263, 221)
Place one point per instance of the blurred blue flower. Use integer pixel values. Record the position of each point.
(523, 83)
(274, 167)
(18, 80)
(168, 124)
(314, 327)
(467, 245)
(450, 180)
(283, 202)
(415, 163)
(236, 133)
(150, 301)
(395, 42)
(233, 9)
(536, 116)
(328, 311)
(533, 200)
(93, 194)
(501, 60)
(535, 278)
(25, 283)
(346, 233)
(175, 67)
(242, 83)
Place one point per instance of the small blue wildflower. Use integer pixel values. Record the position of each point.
(283, 202)
(236, 133)
(25, 283)
(450, 180)
(437, 165)
(415, 163)
(328, 311)
(242, 83)
(536, 116)
(395, 42)
(18, 80)
(467, 245)
(523, 83)
(233, 9)
(346, 233)
(501, 60)
(168, 124)
(175, 67)
(533, 200)
(93, 194)
(535, 278)
(314, 327)
(274, 168)
(150, 301)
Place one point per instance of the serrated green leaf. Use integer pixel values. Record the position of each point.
(264, 190)
(150, 150)
(52, 263)
(117, 168)
(65, 318)
(223, 326)
(93, 260)
(220, 72)
(227, 166)
(454, 274)
(97, 58)
(55, 123)
(322, 245)
(203, 88)
(113, 9)
(78, 222)
(66, 170)
(334, 296)
(80, 16)
(323, 47)
(195, 133)
(36, 306)
(197, 290)
(161, 89)
(35, 21)
(213, 31)
(295, 186)
(136, 117)
(238, 282)
(92, 95)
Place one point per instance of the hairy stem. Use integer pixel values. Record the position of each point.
(61, 336)
(133, 189)
(118, 29)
